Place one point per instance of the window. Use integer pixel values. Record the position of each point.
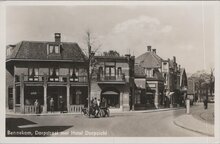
(33, 74)
(54, 74)
(149, 72)
(10, 98)
(54, 49)
(17, 99)
(51, 49)
(74, 74)
(119, 72)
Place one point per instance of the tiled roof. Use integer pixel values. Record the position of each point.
(37, 50)
(149, 60)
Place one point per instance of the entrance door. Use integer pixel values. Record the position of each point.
(56, 93)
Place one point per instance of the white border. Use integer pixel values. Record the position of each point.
(4, 139)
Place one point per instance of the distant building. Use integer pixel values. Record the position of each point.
(165, 80)
(43, 70)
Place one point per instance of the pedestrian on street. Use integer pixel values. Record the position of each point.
(51, 105)
(36, 106)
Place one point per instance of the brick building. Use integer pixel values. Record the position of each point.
(113, 80)
(43, 70)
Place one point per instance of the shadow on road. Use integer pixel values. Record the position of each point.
(13, 130)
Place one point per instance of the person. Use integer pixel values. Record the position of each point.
(205, 103)
(104, 103)
(98, 102)
(61, 104)
(51, 105)
(36, 106)
(95, 106)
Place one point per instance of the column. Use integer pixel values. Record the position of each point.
(45, 94)
(68, 93)
(22, 93)
(68, 97)
(156, 96)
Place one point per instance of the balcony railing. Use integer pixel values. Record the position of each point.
(59, 78)
(120, 78)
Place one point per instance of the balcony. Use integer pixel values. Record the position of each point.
(106, 79)
(47, 78)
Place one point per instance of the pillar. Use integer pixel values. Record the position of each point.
(68, 93)
(68, 97)
(22, 93)
(156, 96)
(45, 99)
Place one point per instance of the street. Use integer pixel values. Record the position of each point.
(135, 124)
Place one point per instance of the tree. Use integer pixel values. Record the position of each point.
(112, 53)
(91, 63)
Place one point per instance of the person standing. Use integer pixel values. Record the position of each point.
(98, 102)
(61, 104)
(36, 106)
(51, 105)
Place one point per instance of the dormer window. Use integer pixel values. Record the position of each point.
(53, 49)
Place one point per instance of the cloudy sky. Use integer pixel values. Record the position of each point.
(184, 31)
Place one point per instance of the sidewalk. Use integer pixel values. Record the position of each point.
(188, 122)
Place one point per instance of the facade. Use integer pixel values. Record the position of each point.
(45, 70)
(113, 80)
(150, 65)
(166, 82)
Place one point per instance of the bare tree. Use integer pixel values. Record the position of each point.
(92, 50)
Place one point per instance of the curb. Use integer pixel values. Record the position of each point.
(113, 112)
(193, 130)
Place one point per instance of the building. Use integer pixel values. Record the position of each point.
(113, 80)
(148, 66)
(43, 70)
(166, 82)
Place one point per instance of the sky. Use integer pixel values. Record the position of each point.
(184, 31)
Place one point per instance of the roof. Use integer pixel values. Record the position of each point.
(149, 60)
(37, 50)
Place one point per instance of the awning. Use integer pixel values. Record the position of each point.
(140, 83)
(110, 93)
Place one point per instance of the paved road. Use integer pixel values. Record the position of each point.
(155, 124)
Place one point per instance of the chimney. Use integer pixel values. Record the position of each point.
(148, 48)
(154, 51)
(57, 37)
